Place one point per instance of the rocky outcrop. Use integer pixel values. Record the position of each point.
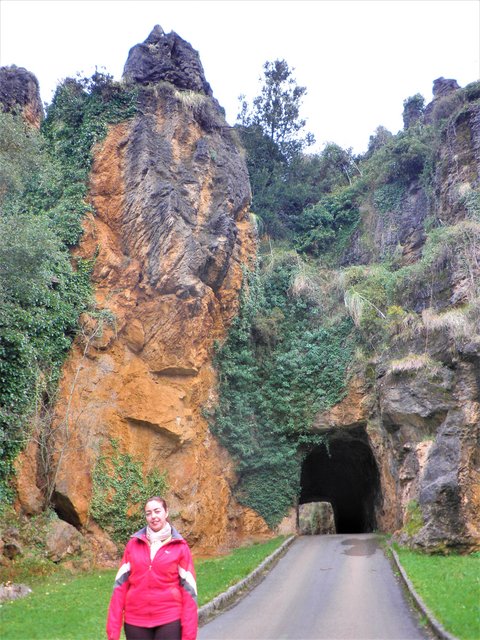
(443, 88)
(62, 540)
(166, 57)
(316, 518)
(398, 232)
(433, 423)
(170, 234)
(11, 591)
(20, 94)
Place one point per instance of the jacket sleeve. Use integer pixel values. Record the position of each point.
(117, 601)
(186, 573)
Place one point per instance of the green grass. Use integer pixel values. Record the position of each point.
(73, 607)
(60, 608)
(449, 586)
(214, 576)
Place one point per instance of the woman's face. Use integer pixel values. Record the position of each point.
(156, 515)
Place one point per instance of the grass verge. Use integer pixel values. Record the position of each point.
(216, 575)
(450, 588)
(73, 607)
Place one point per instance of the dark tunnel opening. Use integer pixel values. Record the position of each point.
(346, 475)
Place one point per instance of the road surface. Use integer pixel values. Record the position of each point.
(338, 587)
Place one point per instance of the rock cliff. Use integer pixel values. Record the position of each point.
(170, 233)
(418, 400)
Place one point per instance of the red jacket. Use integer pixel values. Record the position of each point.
(150, 593)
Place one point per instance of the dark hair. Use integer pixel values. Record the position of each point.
(158, 499)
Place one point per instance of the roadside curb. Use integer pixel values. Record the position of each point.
(237, 591)
(436, 627)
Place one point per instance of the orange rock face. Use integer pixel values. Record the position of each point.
(171, 233)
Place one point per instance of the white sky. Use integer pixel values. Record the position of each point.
(358, 59)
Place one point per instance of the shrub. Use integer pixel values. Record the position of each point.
(318, 225)
(120, 491)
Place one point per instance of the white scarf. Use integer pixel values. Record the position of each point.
(156, 539)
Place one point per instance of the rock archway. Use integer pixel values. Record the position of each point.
(346, 475)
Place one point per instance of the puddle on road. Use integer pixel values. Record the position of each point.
(360, 547)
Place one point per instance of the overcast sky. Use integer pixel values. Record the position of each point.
(358, 59)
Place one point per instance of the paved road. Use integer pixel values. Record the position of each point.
(338, 587)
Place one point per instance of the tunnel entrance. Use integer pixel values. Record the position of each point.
(346, 475)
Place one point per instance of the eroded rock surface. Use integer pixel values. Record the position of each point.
(171, 234)
(19, 93)
(166, 57)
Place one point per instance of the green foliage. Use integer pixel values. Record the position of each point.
(43, 185)
(408, 157)
(471, 201)
(381, 299)
(389, 197)
(120, 492)
(86, 106)
(403, 158)
(277, 369)
(283, 180)
(321, 223)
(452, 248)
(21, 155)
(41, 298)
(285, 192)
(472, 91)
(30, 254)
(446, 106)
(378, 140)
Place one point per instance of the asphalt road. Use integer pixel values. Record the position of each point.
(338, 587)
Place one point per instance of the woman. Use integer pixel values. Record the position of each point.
(155, 592)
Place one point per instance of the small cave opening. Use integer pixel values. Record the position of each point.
(65, 510)
(346, 475)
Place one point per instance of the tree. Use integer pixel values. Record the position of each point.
(378, 139)
(413, 108)
(270, 130)
(277, 110)
(339, 161)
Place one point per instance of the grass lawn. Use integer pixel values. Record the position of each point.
(214, 576)
(60, 608)
(67, 607)
(449, 586)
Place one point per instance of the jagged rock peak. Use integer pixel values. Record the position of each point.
(19, 93)
(444, 86)
(166, 56)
